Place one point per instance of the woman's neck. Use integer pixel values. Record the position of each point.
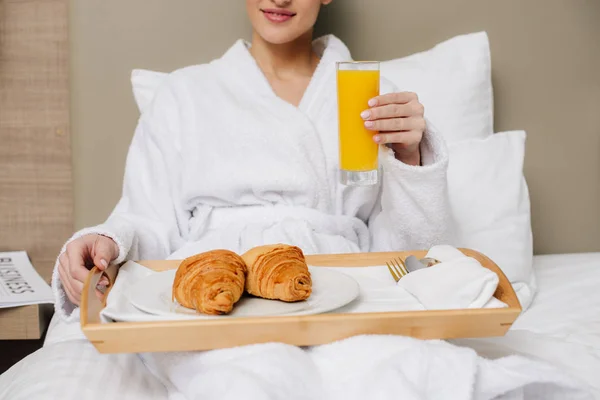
(285, 61)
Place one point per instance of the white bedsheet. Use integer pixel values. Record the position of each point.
(562, 327)
(563, 324)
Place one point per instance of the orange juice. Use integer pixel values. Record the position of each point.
(358, 150)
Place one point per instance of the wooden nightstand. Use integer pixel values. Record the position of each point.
(28, 322)
(22, 331)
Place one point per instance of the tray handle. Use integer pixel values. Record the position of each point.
(92, 300)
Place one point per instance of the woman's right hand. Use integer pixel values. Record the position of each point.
(80, 256)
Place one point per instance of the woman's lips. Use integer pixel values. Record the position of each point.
(278, 16)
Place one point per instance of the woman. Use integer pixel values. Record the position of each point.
(243, 151)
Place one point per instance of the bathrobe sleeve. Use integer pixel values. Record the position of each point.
(413, 210)
(144, 222)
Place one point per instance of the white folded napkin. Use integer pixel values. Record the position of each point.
(457, 282)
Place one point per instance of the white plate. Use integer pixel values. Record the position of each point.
(330, 290)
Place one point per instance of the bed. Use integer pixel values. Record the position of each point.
(562, 327)
(562, 324)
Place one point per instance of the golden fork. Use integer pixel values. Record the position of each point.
(397, 268)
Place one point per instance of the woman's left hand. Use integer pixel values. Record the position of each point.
(399, 120)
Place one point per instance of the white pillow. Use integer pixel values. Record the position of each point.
(453, 81)
(490, 203)
(144, 84)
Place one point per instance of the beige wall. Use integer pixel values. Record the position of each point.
(546, 63)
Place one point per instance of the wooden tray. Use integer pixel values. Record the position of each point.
(136, 337)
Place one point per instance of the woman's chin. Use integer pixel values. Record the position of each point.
(279, 36)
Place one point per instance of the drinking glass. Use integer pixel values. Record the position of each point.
(357, 83)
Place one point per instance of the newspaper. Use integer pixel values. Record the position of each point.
(20, 284)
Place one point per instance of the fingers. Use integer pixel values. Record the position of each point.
(393, 98)
(398, 119)
(395, 112)
(104, 250)
(63, 273)
(409, 138)
(396, 124)
(414, 108)
(72, 268)
(77, 271)
(76, 253)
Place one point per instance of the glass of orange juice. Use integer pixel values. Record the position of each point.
(357, 83)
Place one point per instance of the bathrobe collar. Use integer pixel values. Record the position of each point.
(243, 65)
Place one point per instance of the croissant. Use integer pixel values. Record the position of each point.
(277, 272)
(211, 282)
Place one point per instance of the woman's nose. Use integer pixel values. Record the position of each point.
(281, 3)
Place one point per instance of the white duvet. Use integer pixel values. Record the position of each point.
(363, 367)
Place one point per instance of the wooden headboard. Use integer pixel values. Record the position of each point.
(546, 75)
(36, 196)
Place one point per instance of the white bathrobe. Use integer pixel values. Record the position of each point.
(219, 161)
